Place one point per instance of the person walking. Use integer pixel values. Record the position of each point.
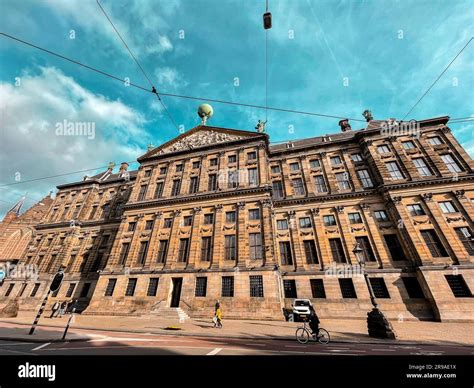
(218, 318)
(62, 308)
(54, 310)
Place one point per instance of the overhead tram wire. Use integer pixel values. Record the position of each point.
(153, 89)
(437, 79)
(176, 95)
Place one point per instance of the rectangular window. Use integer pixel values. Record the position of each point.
(196, 164)
(337, 251)
(230, 247)
(213, 162)
(93, 212)
(70, 290)
(141, 194)
(458, 286)
(253, 177)
(367, 251)
(329, 220)
(76, 212)
(282, 224)
(187, 220)
(355, 218)
(232, 159)
(298, 186)
(383, 149)
(314, 163)
(230, 217)
(421, 166)
(212, 184)
(394, 247)
(450, 163)
(85, 290)
(9, 289)
(131, 226)
(183, 250)
(394, 170)
(232, 179)
(147, 173)
(320, 184)
(276, 169)
(305, 222)
(162, 251)
(109, 291)
(342, 179)
(143, 250)
(347, 289)
(310, 252)
(193, 185)
(277, 187)
(317, 288)
(163, 170)
(252, 155)
(149, 225)
(228, 286)
(179, 167)
(434, 141)
(356, 158)
(408, 145)
(255, 246)
(206, 249)
(124, 253)
(381, 215)
(336, 161)
(256, 286)
(167, 223)
(254, 214)
(365, 178)
(416, 210)
(294, 166)
(285, 253)
(34, 291)
(379, 287)
(176, 188)
(433, 243)
(289, 287)
(466, 238)
(413, 287)
(201, 287)
(152, 287)
(208, 219)
(132, 284)
(159, 189)
(447, 207)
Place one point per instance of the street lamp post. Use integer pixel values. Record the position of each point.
(377, 324)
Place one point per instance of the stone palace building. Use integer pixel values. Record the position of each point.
(219, 213)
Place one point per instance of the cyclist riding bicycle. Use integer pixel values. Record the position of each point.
(313, 320)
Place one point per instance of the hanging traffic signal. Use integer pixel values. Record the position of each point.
(56, 283)
(267, 20)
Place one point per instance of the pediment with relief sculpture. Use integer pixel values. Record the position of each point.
(201, 137)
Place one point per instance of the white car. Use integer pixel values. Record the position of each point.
(301, 309)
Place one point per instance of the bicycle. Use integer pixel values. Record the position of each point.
(304, 333)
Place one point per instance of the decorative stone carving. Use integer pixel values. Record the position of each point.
(365, 206)
(455, 219)
(427, 197)
(291, 214)
(176, 213)
(200, 139)
(362, 228)
(267, 202)
(315, 211)
(158, 215)
(419, 222)
(240, 205)
(197, 210)
(331, 231)
(218, 208)
(459, 194)
(339, 209)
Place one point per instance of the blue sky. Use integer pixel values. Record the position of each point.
(332, 57)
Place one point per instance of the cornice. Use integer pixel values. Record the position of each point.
(84, 224)
(324, 198)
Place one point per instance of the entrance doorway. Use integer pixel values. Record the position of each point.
(176, 293)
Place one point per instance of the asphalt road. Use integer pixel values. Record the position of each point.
(153, 344)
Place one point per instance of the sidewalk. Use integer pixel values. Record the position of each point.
(434, 333)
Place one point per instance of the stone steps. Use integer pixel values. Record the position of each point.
(171, 313)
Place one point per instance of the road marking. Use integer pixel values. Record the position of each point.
(214, 352)
(18, 352)
(41, 346)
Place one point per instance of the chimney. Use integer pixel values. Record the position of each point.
(344, 124)
(111, 166)
(123, 167)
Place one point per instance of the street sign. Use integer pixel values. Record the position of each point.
(56, 283)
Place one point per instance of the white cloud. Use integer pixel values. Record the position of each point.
(169, 79)
(163, 45)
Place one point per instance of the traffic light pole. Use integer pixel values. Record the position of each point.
(40, 312)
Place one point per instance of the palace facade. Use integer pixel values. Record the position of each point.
(224, 214)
